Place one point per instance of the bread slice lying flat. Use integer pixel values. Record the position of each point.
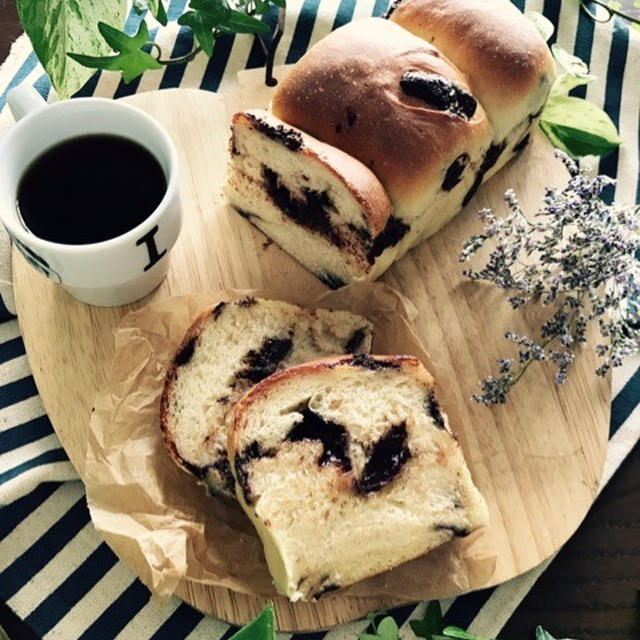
(227, 350)
(347, 467)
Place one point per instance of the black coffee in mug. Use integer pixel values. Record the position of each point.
(89, 189)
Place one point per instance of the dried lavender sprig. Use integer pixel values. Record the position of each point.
(577, 255)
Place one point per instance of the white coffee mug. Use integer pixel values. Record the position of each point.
(109, 273)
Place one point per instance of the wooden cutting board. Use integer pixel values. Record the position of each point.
(537, 459)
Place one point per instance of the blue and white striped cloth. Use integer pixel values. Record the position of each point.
(55, 571)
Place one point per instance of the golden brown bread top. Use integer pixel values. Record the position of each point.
(347, 92)
(494, 44)
(360, 181)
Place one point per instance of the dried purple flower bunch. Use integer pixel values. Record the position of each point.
(580, 257)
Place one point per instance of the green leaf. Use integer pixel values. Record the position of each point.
(372, 615)
(3, 634)
(431, 623)
(541, 23)
(261, 628)
(202, 29)
(130, 59)
(155, 7)
(239, 22)
(388, 629)
(570, 63)
(57, 26)
(581, 127)
(575, 142)
(542, 634)
(566, 81)
(207, 16)
(260, 7)
(576, 72)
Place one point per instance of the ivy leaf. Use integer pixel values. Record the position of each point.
(57, 26)
(569, 63)
(206, 16)
(579, 127)
(130, 59)
(575, 70)
(202, 29)
(541, 23)
(155, 7)
(431, 623)
(573, 125)
(542, 634)
(260, 7)
(388, 629)
(239, 22)
(261, 628)
(372, 616)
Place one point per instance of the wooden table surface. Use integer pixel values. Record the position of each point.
(591, 591)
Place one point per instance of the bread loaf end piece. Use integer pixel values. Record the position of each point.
(229, 348)
(347, 467)
(320, 205)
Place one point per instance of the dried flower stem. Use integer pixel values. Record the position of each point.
(578, 256)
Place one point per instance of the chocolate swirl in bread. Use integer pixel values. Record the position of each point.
(226, 351)
(347, 467)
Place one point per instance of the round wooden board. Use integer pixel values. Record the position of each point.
(537, 459)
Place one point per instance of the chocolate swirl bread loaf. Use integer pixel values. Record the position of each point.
(432, 102)
(228, 349)
(347, 467)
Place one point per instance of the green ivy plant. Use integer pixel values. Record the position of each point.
(72, 38)
(381, 627)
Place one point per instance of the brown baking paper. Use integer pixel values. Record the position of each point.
(160, 521)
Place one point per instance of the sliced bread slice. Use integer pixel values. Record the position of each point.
(347, 467)
(227, 350)
(319, 204)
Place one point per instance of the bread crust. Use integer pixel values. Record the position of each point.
(357, 178)
(192, 333)
(502, 53)
(346, 92)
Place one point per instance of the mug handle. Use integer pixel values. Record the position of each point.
(24, 100)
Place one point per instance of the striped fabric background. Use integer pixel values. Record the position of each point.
(55, 572)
